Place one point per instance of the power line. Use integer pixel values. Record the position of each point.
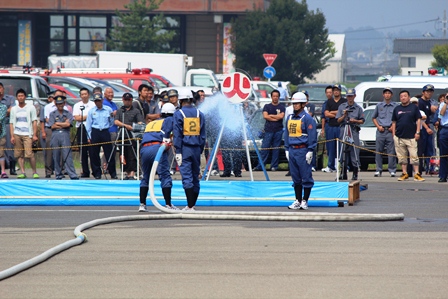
(395, 26)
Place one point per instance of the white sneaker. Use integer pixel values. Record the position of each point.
(377, 174)
(295, 205)
(313, 169)
(187, 209)
(328, 169)
(172, 172)
(172, 207)
(304, 205)
(142, 208)
(231, 173)
(392, 174)
(214, 172)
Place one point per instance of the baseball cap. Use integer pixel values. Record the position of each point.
(351, 92)
(304, 92)
(338, 86)
(97, 97)
(387, 89)
(172, 93)
(127, 96)
(414, 100)
(165, 98)
(428, 87)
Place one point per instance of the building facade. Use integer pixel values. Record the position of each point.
(335, 71)
(416, 54)
(32, 30)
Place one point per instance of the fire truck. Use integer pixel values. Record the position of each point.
(132, 78)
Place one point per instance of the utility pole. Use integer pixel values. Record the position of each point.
(444, 24)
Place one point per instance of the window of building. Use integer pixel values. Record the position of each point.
(92, 34)
(407, 62)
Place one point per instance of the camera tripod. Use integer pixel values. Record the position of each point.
(348, 153)
(121, 135)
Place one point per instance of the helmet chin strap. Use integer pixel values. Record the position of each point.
(302, 106)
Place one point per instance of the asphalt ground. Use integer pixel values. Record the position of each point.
(238, 259)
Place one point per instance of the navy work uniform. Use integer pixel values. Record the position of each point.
(60, 143)
(300, 141)
(155, 132)
(189, 141)
(353, 111)
(385, 140)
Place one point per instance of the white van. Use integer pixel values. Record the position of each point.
(371, 93)
(419, 79)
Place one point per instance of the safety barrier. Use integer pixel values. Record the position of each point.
(231, 149)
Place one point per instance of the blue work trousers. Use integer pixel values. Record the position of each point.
(148, 154)
(190, 167)
(331, 133)
(301, 173)
(271, 140)
(443, 147)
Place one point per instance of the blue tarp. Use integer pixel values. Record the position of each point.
(126, 193)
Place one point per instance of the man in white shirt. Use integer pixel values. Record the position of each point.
(80, 111)
(23, 128)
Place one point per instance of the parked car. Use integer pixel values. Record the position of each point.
(35, 87)
(316, 93)
(68, 92)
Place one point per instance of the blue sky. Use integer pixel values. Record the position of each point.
(344, 14)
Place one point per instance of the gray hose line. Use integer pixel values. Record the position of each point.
(199, 215)
(272, 216)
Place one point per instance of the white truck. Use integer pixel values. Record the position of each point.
(172, 66)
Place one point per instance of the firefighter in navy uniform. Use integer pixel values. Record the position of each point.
(350, 113)
(157, 132)
(300, 142)
(189, 143)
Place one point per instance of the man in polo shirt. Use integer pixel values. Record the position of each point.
(125, 118)
(429, 106)
(99, 120)
(332, 131)
(382, 118)
(273, 113)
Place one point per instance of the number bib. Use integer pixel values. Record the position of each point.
(192, 126)
(295, 127)
(154, 126)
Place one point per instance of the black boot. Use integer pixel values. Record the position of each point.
(306, 193)
(298, 192)
(143, 194)
(190, 197)
(355, 174)
(12, 168)
(167, 195)
(196, 195)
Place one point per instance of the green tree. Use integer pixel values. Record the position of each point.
(440, 53)
(287, 28)
(139, 30)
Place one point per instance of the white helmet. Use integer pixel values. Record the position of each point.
(298, 97)
(185, 96)
(168, 108)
